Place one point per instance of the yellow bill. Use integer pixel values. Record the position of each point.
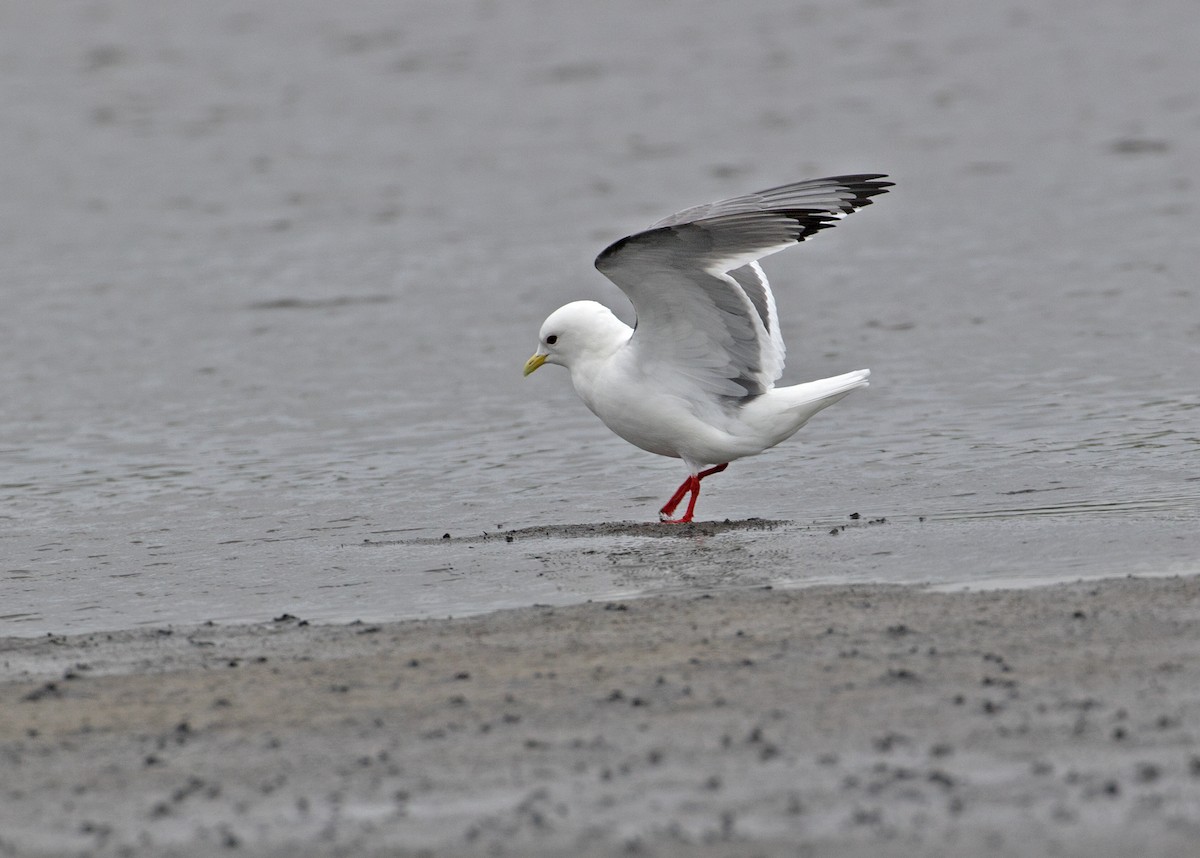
(534, 362)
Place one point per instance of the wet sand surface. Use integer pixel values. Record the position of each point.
(840, 721)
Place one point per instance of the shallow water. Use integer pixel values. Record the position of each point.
(270, 277)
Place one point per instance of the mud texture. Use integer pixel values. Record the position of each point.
(830, 721)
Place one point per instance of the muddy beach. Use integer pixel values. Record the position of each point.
(829, 721)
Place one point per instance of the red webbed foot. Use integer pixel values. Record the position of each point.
(690, 486)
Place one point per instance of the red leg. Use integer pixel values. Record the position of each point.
(669, 506)
(692, 485)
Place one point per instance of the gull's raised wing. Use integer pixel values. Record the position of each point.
(705, 311)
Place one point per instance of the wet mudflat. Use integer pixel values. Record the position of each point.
(841, 721)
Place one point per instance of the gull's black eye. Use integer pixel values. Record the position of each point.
(552, 339)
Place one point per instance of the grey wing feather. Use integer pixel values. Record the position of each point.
(835, 194)
(704, 308)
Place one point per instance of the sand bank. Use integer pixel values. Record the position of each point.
(834, 721)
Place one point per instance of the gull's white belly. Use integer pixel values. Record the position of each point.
(660, 417)
(650, 416)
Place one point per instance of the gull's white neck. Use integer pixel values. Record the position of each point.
(603, 342)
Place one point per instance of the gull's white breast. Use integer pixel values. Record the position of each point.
(654, 414)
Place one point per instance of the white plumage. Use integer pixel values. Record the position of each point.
(695, 378)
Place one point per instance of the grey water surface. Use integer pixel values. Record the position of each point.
(269, 274)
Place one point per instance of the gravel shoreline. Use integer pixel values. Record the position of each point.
(859, 720)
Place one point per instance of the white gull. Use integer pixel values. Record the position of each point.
(694, 378)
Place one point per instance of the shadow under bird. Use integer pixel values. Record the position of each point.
(694, 378)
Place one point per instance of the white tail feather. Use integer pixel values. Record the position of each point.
(781, 412)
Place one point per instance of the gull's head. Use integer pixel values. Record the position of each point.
(577, 331)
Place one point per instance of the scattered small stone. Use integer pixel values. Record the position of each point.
(889, 741)
(160, 810)
(941, 778)
(862, 816)
(50, 689)
(1148, 773)
(992, 681)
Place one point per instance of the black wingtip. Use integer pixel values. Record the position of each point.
(863, 186)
